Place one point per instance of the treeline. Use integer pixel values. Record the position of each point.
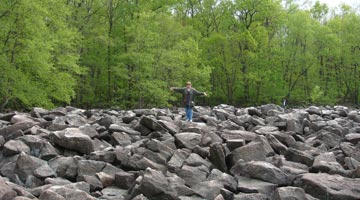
(127, 53)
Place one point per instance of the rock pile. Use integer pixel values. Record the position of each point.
(226, 153)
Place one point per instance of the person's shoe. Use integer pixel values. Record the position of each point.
(190, 120)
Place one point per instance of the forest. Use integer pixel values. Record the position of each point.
(128, 53)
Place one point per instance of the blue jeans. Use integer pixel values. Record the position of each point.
(188, 110)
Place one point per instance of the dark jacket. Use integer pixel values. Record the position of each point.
(188, 96)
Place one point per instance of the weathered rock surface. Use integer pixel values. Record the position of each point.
(227, 153)
(325, 186)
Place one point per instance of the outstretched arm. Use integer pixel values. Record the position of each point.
(177, 89)
(199, 93)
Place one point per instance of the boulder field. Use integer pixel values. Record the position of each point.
(226, 153)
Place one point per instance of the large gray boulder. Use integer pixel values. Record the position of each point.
(218, 156)
(68, 193)
(188, 139)
(65, 167)
(326, 162)
(208, 189)
(154, 185)
(264, 171)
(27, 166)
(73, 139)
(249, 185)
(299, 156)
(226, 179)
(238, 134)
(6, 191)
(13, 147)
(265, 109)
(249, 152)
(325, 186)
(193, 175)
(169, 126)
(177, 160)
(288, 193)
(113, 193)
(20, 126)
(152, 124)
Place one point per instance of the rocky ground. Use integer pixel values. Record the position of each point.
(226, 153)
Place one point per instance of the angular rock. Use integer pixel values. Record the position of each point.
(89, 167)
(33, 182)
(129, 116)
(124, 180)
(113, 193)
(270, 107)
(66, 192)
(44, 171)
(89, 130)
(95, 183)
(21, 126)
(265, 130)
(105, 121)
(188, 139)
(153, 185)
(6, 192)
(75, 120)
(171, 127)
(325, 186)
(299, 156)
(238, 134)
(13, 147)
(234, 144)
(267, 147)
(295, 126)
(128, 130)
(49, 194)
(208, 189)
(66, 167)
(151, 124)
(57, 181)
(121, 139)
(210, 137)
(73, 139)
(325, 163)
(351, 163)
(249, 152)
(253, 111)
(193, 175)
(278, 147)
(227, 180)
(140, 197)
(21, 198)
(177, 185)
(26, 165)
(139, 162)
(218, 157)
(107, 155)
(353, 137)
(249, 185)
(195, 160)
(313, 110)
(264, 171)
(350, 151)
(330, 139)
(284, 193)
(177, 160)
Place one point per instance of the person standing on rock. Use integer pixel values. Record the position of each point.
(188, 98)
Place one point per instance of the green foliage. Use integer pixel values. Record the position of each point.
(128, 53)
(38, 51)
(316, 94)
